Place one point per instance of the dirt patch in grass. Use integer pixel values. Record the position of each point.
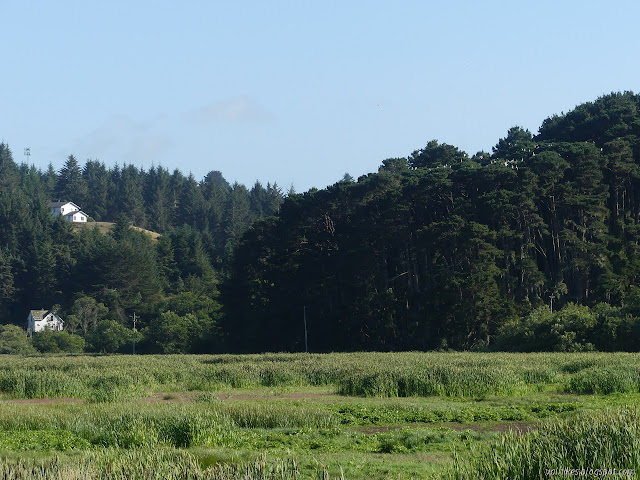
(178, 397)
(519, 427)
(45, 400)
(271, 396)
(231, 397)
(373, 429)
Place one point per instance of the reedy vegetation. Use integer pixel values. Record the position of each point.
(119, 431)
(604, 440)
(455, 374)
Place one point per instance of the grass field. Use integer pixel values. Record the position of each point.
(106, 227)
(355, 415)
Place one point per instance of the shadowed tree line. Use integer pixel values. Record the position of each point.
(445, 250)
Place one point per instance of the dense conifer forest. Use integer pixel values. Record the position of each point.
(435, 250)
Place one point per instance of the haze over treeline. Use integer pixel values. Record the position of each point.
(439, 249)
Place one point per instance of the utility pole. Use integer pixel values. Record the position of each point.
(551, 297)
(306, 345)
(134, 332)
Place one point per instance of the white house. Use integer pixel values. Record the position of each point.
(68, 210)
(38, 320)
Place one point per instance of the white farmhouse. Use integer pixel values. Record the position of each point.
(68, 210)
(38, 320)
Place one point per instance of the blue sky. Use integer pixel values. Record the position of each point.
(297, 92)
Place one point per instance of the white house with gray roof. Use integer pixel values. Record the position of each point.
(69, 211)
(39, 320)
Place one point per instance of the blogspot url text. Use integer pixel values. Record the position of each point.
(590, 472)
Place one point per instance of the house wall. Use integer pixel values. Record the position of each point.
(66, 209)
(78, 217)
(39, 325)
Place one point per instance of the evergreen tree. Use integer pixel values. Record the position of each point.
(71, 186)
(98, 182)
(7, 285)
(238, 216)
(131, 199)
(437, 155)
(157, 199)
(518, 145)
(192, 210)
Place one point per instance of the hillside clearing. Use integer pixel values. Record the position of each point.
(106, 227)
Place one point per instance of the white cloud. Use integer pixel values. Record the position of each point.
(234, 111)
(149, 148)
(110, 135)
(122, 139)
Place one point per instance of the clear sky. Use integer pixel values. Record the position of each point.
(298, 92)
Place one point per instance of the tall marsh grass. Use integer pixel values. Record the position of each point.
(132, 425)
(103, 379)
(596, 440)
(147, 464)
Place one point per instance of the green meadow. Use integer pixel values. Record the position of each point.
(341, 415)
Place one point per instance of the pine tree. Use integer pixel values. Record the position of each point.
(157, 199)
(98, 181)
(192, 209)
(131, 201)
(237, 216)
(7, 287)
(71, 187)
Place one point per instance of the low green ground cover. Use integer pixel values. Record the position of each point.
(367, 415)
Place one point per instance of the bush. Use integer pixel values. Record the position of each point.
(14, 340)
(110, 337)
(172, 333)
(572, 329)
(48, 341)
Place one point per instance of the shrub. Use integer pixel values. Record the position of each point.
(571, 329)
(110, 337)
(14, 340)
(48, 341)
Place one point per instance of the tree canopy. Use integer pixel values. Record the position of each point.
(438, 249)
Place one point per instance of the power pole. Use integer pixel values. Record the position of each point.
(306, 345)
(551, 297)
(134, 333)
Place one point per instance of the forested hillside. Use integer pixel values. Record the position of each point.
(438, 249)
(99, 281)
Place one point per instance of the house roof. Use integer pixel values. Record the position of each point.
(60, 204)
(42, 314)
(74, 212)
(39, 314)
